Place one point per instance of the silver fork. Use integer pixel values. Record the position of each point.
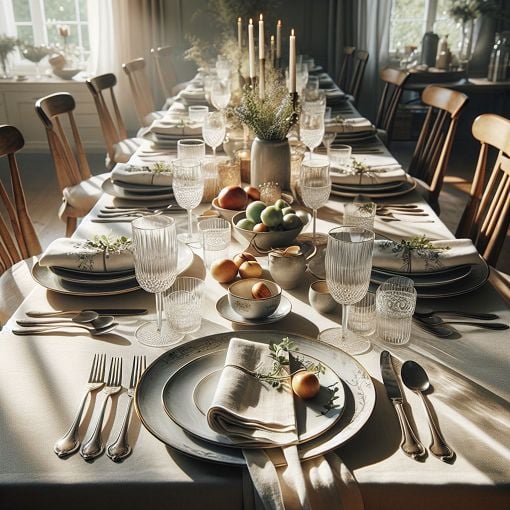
(120, 449)
(94, 446)
(70, 442)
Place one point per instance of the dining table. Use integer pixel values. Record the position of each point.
(42, 378)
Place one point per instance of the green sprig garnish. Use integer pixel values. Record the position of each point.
(109, 244)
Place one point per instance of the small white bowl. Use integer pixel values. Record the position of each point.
(320, 297)
(243, 303)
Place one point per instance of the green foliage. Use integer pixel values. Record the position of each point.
(109, 244)
(465, 10)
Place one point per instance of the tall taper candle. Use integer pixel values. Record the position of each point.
(240, 33)
(251, 49)
(262, 51)
(292, 61)
(279, 39)
(272, 51)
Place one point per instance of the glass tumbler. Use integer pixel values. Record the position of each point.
(216, 236)
(395, 303)
(191, 148)
(360, 214)
(183, 305)
(362, 315)
(197, 113)
(340, 157)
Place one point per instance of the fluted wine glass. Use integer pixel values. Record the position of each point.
(311, 128)
(348, 268)
(315, 184)
(213, 130)
(155, 257)
(220, 94)
(188, 186)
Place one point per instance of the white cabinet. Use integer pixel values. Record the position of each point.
(17, 107)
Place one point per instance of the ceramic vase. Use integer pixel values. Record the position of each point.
(270, 161)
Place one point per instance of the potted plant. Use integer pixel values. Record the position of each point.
(7, 46)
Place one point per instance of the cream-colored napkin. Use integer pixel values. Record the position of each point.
(383, 169)
(354, 125)
(181, 127)
(251, 411)
(141, 174)
(76, 254)
(388, 255)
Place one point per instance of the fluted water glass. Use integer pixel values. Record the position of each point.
(213, 130)
(311, 128)
(348, 268)
(155, 256)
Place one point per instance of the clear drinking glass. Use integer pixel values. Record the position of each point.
(312, 83)
(198, 113)
(211, 183)
(340, 157)
(348, 267)
(329, 136)
(191, 148)
(395, 303)
(360, 214)
(229, 173)
(213, 130)
(223, 67)
(362, 315)
(188, 187)
(311, 129)
(216, 236)
(155, 257)
(220, 94)
(315, 185)
(183, 305)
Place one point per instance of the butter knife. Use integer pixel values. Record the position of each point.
(101, 311)
(410, 444)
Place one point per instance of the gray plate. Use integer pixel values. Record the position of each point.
(140, 188)
(196, 382)
(376, 188)
(225, 310)
(48, 279)
(90, 278)
(359, 396)
(406, 187)
(432, 279)
(111, 189)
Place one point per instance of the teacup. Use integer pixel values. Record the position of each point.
(320, 298)
(243, 303)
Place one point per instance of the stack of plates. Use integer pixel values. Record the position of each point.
(335, 96)
(175, 392)
(383, 190)
(143, 192)
(447, 282)
(355, 137)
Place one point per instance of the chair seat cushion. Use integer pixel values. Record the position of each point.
(126, 148)
(15, 285)
(83, 196)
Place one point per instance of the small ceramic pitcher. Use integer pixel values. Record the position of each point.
(287, 267)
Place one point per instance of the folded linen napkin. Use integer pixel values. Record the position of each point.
(382, 169)
(150, 174)
(425, 255)
(251, 411)
(354, 125)
(166, 126)
(89, 255)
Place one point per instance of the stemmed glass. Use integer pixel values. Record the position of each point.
(315, 185)
(348, 268)
(220, 94)
(311, 128)
(155, 256)
(213, 130)
(188, 186)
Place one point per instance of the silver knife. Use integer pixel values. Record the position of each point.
(410, 444)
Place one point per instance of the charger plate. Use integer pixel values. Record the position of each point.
(116, 191)
(358, 386)
(431, 279)
(197, 382)
(406, 187)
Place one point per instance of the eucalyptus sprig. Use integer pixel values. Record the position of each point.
(109, 244)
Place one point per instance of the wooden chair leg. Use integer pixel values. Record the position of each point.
(71, 224)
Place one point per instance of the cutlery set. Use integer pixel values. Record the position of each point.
(124, 214)
(415, 378)
(389, 212)
(94, 446)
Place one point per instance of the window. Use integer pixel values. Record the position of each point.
(36, 22)
(410, 19)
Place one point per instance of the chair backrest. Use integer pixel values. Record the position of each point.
(487, 215)
(140, 89)
(359, 65)
(432, 152)
(71, 165)
(393, 79)
(344, 76)
(20, 241)
(163, 57)
(110, 118)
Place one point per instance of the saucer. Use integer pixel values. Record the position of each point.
(225, 310)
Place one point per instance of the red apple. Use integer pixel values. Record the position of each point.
(233, 198)
(252, 192)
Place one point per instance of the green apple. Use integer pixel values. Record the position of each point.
(291, 221)
(303, 216)
(281, 204)
(245, 224)
(288, 210)
(271, 216)
(254, 210)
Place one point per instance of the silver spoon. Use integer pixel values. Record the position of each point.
(416, 379)
(83, 317)
(437, 321)
(100, 321)
(51, 329)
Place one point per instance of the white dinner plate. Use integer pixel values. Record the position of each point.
(48, 279)
(109, 187)
(358, 386)
(189, 392)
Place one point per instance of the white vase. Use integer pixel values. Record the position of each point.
(270, 161)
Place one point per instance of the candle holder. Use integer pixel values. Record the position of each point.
(270, 192)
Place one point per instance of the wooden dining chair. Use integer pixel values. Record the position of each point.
(345, 74)
(394, 80)
(141, 92)
(432, 153)
(167, 72)
(486, 217)
(80, 189)
(18, 239)
(119, 146)
(359, 65)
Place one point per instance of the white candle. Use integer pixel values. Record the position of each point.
(292, 61)
(279, 39)
(239, 33)
(272, 50)
(261, 39)
(251, 49)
